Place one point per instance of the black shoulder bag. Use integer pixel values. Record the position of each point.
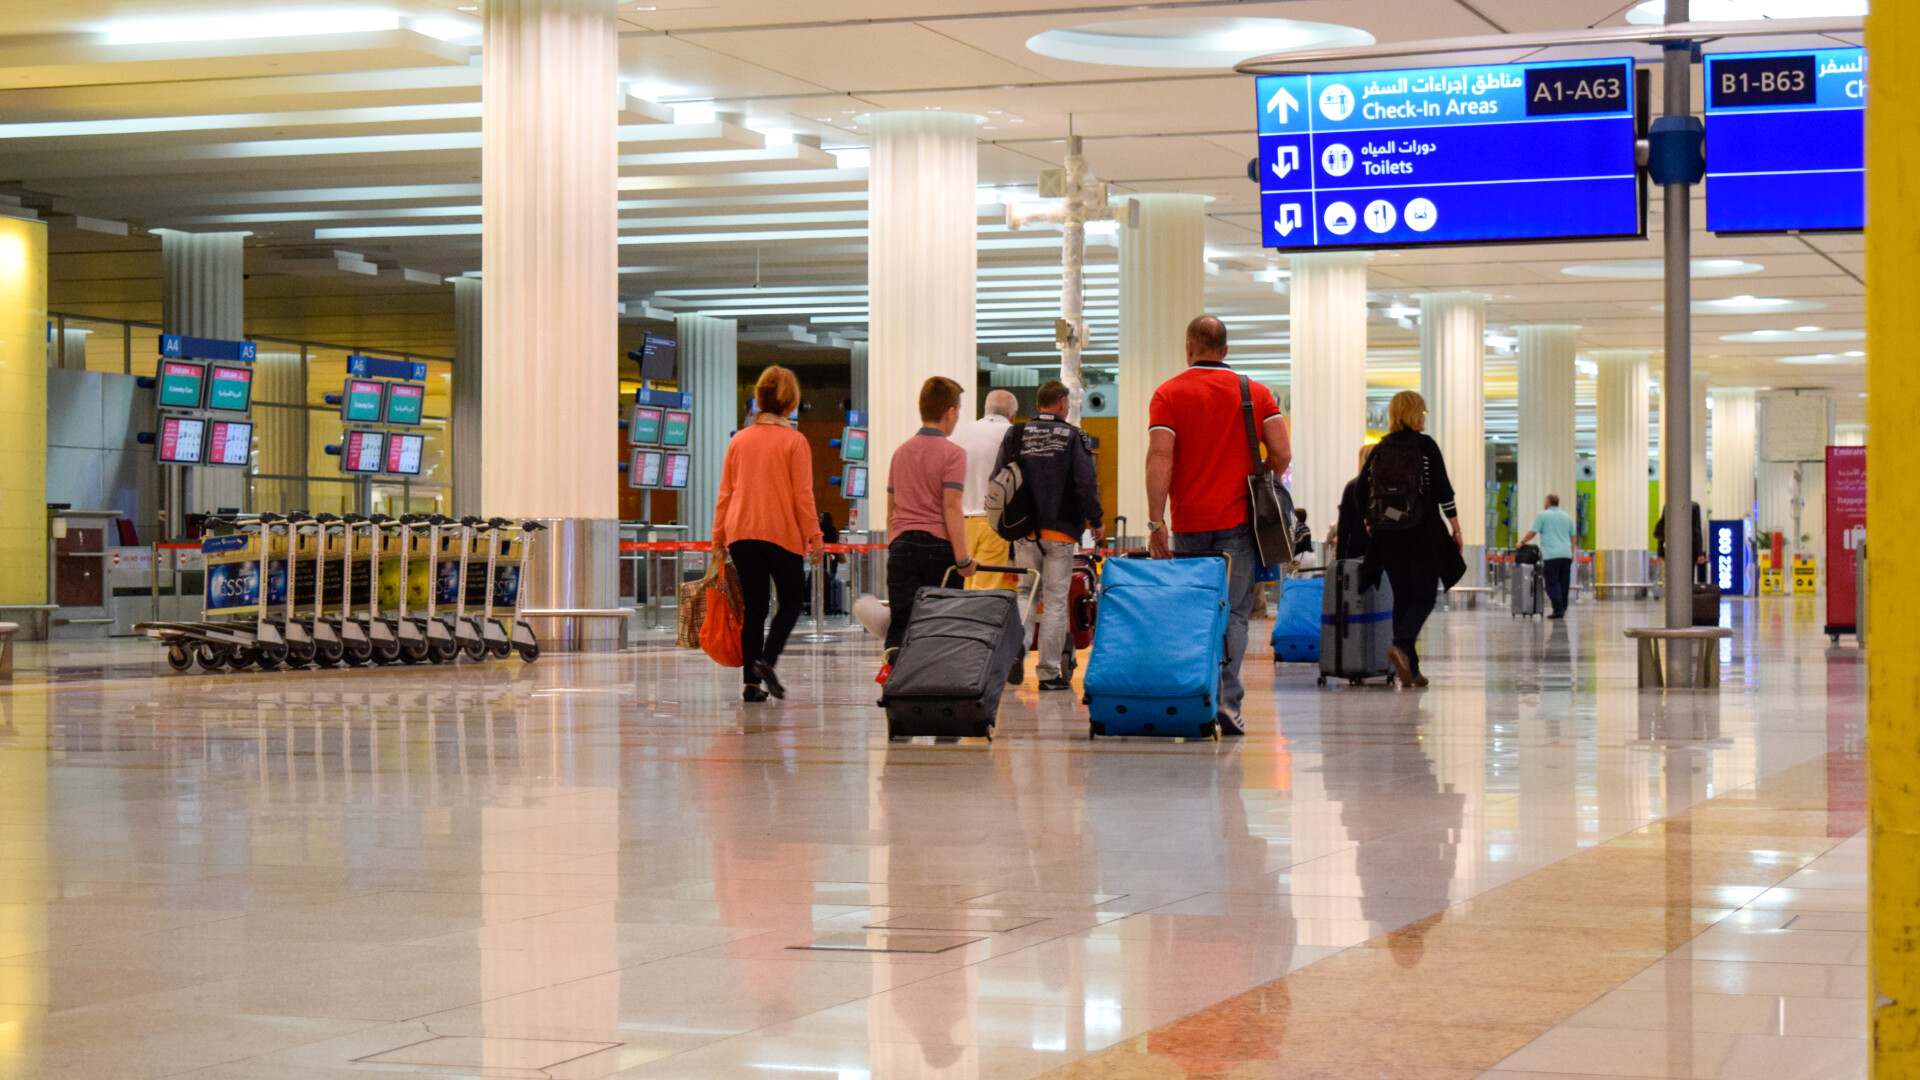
(1271, 509)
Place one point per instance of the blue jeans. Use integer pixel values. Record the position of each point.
(1559, 575)
(1237, 543)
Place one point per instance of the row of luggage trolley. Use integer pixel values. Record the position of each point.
(327, 590)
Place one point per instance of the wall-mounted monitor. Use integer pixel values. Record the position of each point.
(229, 388)
(853, 482)
(676, 427)
(230, 442)
(644, 469)
(363, 452)
(406, 403)
(404, 452)
(678, 471)
(853, 444)
(644, 430)
(362, 401)
(181, 384)
(657, 357)
(182, 441)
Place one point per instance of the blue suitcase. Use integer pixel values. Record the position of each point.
(1296, 623)
(1158, 648)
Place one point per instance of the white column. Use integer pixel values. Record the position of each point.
(203, 294)
(1700, 438)
(921, 263)
(1546, 455)
(550, 359)
(1620, 466)
(1453, 350)
(1328, 301)
(1163, 287)
(710, 370)
(1733, 453)
(467, 397)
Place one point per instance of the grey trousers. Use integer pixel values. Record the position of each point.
(1054, 560)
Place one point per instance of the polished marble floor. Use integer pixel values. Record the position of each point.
(609, 866)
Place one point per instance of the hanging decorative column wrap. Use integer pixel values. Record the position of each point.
(1329, 379)
(1733, 452)
(203, 294)
(1546, 454)
(710, 370)
(921, 263)
(468, 379)
(1163, 287)
(550, 344)
(1453, 351)
(1620, 467)
(23, 411)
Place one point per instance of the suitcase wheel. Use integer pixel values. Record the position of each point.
(1321, 681)
(1096, 727)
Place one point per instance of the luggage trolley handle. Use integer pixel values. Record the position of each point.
(1033, 592)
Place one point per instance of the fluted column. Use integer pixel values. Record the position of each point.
(1733, 453)
(550, 344)
(710, 370)
(1163, 287)
(921, 281)
(1453, 351)
(202, 294)
(1546, 454)
(1329, 378)
(280, 435)
(1620, 466)
(468, 379)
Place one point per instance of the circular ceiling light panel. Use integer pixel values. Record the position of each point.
(1823, 359)
(1657, 268)
(1654, 12)
(1750, 305)
(1791, 336)
(1190, 43)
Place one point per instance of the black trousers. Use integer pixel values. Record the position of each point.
(915, 560)
(1414, 595)
(1559, 579)
(766, 568)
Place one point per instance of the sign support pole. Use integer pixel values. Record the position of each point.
(1676, 412)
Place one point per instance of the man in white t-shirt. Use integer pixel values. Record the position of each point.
(981, 439)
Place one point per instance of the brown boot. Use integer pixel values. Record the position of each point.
(1402, 666)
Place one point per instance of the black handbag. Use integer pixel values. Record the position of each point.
(1271, 510)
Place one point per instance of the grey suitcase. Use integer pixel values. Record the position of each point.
(953, 666)
(1356, 626)
(1529, 590)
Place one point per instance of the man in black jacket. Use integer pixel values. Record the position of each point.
(1057, 460)
(1699, 543)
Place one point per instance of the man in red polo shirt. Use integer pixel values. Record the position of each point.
(1197, 457)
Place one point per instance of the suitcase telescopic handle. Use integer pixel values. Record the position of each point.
(1033, 591)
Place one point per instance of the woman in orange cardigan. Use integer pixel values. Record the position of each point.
(766, 520)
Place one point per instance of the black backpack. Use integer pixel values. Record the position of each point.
(1399, 487)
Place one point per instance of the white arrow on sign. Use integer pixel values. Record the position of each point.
(1280, 102)
(1289, 219)
(1287, 160)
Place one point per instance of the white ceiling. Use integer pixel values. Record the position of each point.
(368, 142)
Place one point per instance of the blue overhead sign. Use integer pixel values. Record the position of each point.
(1786, 141)
(1458, 155)
(184, 347)
(379, 367)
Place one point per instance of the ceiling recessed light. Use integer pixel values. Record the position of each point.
(1822, 359)
(993, 112)
(1015, 120)
(1654, 12)
(1750, 305)
(1650, 269)
(1777, 336)
(1806, 329)
(1190, 42)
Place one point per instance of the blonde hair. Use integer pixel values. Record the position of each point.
(777, 391)
(1407, 412)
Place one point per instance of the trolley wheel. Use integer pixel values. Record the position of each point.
(210, 657)
(384, 653)
(266, 662)
(413, 652)
(529, 653)
(239, 658)
(327, 654)
(179, 658)
(356, 653)
(475, 649)
(301, 656)
(443, 652)
(499, 650)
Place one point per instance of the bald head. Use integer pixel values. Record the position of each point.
(1206, 340)
(1001, 403)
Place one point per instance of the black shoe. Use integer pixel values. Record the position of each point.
(751, 693)
(1229, 726)
(1060, 682)
(1019, 673)
(1558, 615)
(763, 671)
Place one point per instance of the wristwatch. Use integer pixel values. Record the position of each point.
(1155, 526)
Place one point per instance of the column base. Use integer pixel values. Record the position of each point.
(1622, 574)
(576, 566)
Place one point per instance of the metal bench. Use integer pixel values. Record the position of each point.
(1703, 664)
(1471, 597)
(1604, 590)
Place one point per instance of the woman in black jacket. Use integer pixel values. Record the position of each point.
(1404, 485)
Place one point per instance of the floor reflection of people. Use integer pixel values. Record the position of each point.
(1393, 806)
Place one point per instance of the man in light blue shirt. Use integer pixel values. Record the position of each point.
(1554, 527)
